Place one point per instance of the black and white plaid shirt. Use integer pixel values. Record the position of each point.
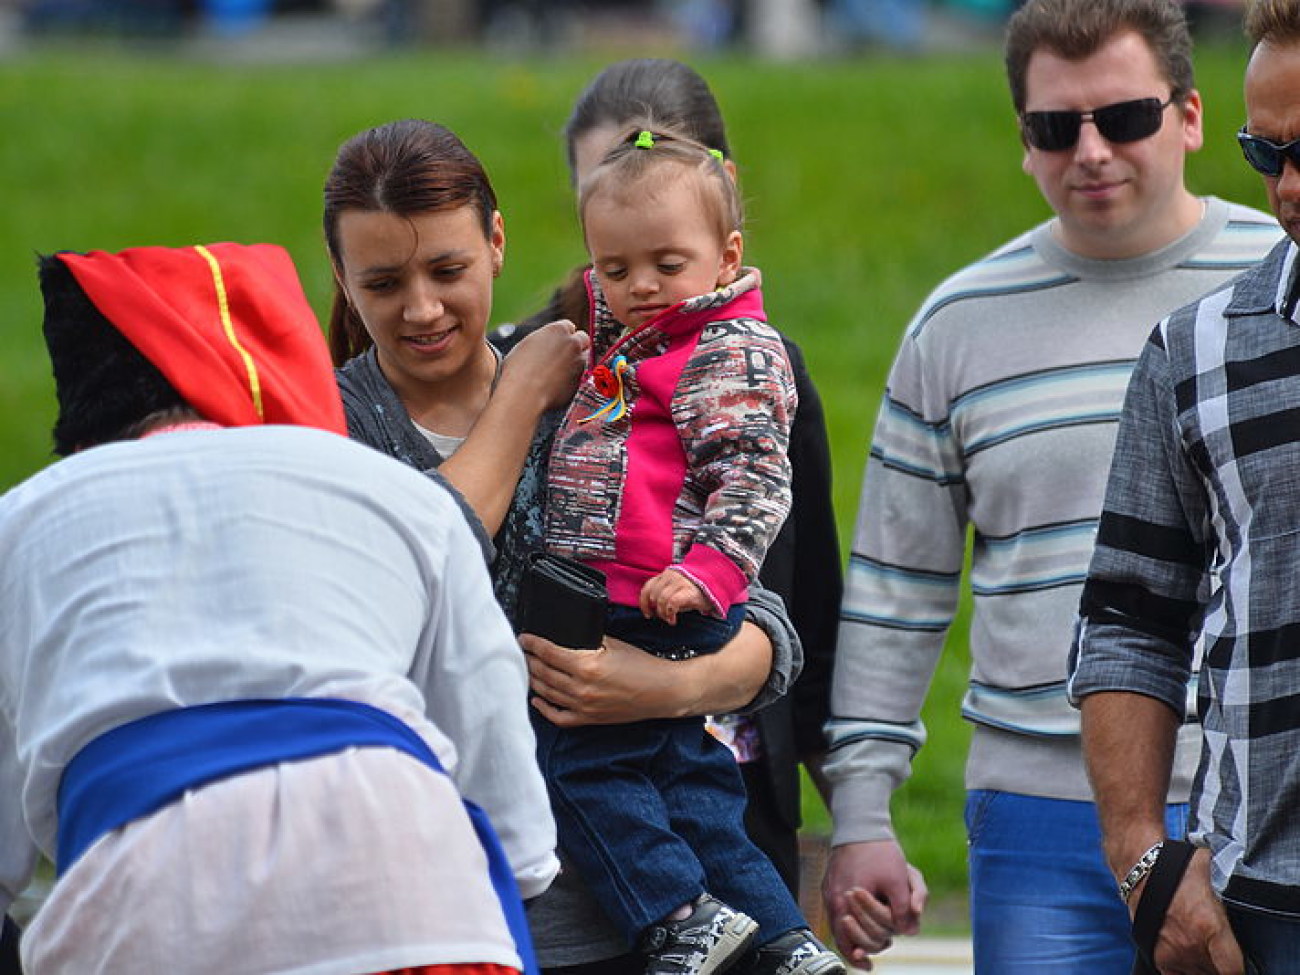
(1201, 533)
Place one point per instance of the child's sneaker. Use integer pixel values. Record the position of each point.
(712, 938)
(796, 953)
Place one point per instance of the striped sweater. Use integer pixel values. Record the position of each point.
(999, 421)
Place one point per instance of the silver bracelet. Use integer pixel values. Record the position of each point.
(1139, 871)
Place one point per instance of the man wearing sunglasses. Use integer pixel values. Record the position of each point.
(1000, 418)
(1198, 543)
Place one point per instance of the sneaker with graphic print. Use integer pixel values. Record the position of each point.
(711, 939)
(796, 953)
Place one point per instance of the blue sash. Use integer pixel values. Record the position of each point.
(138, 768)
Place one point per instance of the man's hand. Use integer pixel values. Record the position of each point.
(872, 893)
(1195, 938)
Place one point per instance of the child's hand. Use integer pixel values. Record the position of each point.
(670, 593)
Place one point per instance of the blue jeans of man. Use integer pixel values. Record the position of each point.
(1270, 943)
(651, 815)
(1041, 896)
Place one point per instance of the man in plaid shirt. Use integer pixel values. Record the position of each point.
(1200, 538)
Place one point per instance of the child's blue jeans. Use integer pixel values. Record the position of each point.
(651, 815)
(692, 635)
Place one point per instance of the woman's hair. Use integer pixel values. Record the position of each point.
(668, 91)
(1275, 21)
(649, 158)
(1076, 29)
(407, 168)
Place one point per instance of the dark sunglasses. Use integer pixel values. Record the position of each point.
(1268, 157)
(1121, 122)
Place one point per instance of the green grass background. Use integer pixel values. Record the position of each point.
(867, 181)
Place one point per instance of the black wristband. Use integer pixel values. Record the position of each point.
(1159, 891)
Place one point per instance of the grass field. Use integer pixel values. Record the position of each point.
(867, 182)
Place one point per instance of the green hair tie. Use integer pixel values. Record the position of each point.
(717, 154)
(645, 140)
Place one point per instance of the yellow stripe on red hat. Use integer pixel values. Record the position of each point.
(228, 326)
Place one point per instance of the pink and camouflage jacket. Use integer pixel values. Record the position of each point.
(692, 472)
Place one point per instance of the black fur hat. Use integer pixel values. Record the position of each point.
(104, 384)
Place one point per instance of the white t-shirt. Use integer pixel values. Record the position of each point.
(267, 562)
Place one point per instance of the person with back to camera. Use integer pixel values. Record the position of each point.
(803, 562)
(1000, 415)
(415, 240)
(668, 474)
(238, 652)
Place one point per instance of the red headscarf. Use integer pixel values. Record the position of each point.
(228, 325)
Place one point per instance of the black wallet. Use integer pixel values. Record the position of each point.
(563, 600)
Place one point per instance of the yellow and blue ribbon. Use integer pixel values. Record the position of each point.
(608, 381)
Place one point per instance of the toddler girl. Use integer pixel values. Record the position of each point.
(669, 474)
